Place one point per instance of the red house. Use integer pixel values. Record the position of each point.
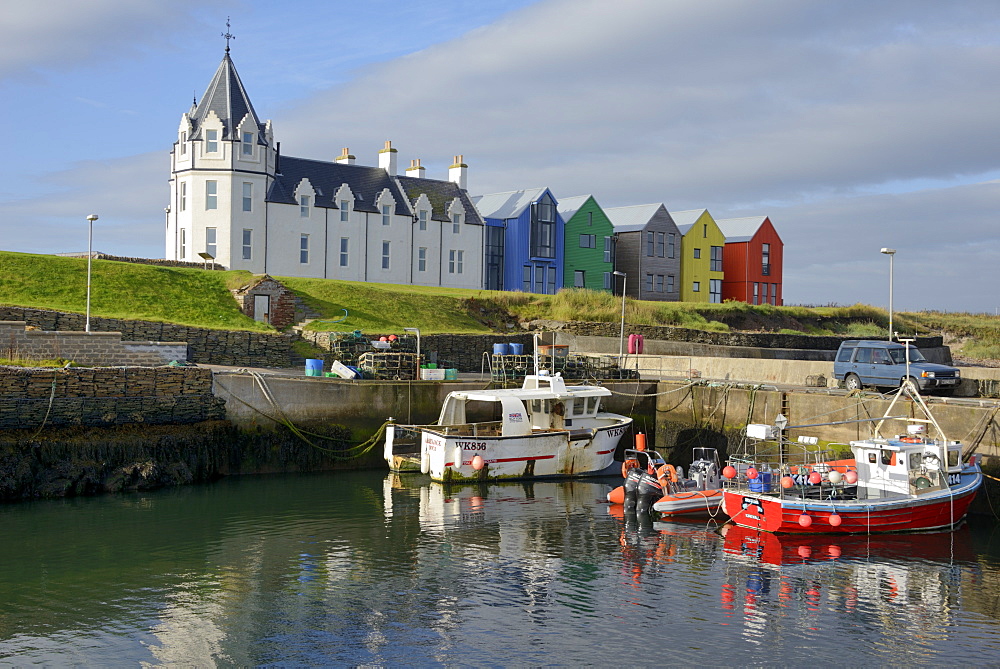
(751, 260)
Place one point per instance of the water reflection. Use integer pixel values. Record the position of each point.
(360, 568)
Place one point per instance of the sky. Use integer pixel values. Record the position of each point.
(854, 125)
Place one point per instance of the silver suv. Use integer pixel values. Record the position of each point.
(883, 363)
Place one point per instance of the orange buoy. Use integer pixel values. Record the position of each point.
(640, 441)
(478, 462)
(617, 496)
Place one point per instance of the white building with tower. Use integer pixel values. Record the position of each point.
(234, 197)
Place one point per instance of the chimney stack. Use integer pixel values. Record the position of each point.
(415, 169)
(459, 173)
(387, 158)
(345, 158)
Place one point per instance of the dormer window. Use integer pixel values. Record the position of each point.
(345, 210)
(184, 147)
(304, 206)
(456, 223)
(211, 141)
(386, 209)
(248, 144)
(422, 215)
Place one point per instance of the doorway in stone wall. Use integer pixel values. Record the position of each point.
(262, 308)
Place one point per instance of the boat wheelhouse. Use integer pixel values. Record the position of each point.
(543, 429)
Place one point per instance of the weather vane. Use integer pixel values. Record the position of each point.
(228, 35)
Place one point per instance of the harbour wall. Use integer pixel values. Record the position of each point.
(92, 349)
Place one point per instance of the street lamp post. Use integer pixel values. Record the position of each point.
(90, 257)
(621, 335)
(891, 253)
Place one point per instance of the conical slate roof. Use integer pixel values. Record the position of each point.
(227, 98)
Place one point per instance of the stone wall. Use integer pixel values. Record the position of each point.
(750, 339)
(159, 262)
(92, 349)
(105, 396)
(217, 347)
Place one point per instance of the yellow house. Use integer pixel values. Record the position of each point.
(701, 256)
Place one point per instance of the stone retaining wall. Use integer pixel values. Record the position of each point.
(94, 349)
(104, 396)
(216, 347)
(750, 339)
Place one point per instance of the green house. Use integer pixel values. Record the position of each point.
(590, 244)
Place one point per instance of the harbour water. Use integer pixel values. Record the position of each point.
(365, 568)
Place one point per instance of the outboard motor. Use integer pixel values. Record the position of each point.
(632, 479)
(649, 491)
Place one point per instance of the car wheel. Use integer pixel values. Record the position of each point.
(913, 381)
(852, 382)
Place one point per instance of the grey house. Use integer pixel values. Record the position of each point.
(648, 251)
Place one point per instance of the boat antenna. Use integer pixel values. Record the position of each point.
(534, 338)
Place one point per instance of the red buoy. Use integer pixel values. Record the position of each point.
(835, 519)
(751, 473)
(851, 477)
(729, 471)
(787, 482)
(805, 520)
(815, 478)
(478, 462)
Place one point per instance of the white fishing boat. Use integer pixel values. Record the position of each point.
(542, 429)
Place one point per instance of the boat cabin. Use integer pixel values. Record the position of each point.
(543, 402)
(906, 464)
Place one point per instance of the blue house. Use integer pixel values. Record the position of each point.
(524, 245)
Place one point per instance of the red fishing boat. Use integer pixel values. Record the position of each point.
(910, 481)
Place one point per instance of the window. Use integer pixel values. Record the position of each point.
(456, 223)
(248, 144)
(304, 249)
(696, 287)
(210, 246)
(649, 283)
(247, 243)
(345, 210)
(304, 206)
(590, 218)
(659, 283)
(756, 288)
(670, 283)
(385, 214)
(697, 253)
(774, 293)
(607, 281)
(184, 146)
(211, 195)
(763, 293)
(671, 245)
(455, 261)
(588, 241)
(609, 249)
(539, 278)
(766, 259)
(247, 196)
(552, 281)
(184, 196)
(649, 244)
(385, 255)
(211, 141)
(579, 279)
(715, 291)
(423, 219)
(543, 229)
(183, 243)
(422, 259)
(659, 244)
(344, 241)
(704, 230)
(526, 278)
(715, 264)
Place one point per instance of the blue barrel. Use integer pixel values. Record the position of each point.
(501, 349)
(451, 375)
(515, 348)
(314, 367)
(762, 483)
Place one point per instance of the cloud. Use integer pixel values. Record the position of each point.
(66, 34)
(120, 191)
